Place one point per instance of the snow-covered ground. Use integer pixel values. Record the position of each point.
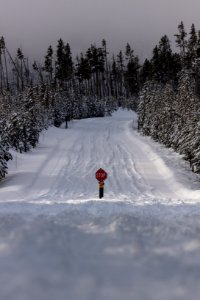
(59, 241)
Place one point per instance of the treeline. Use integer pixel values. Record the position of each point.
(166, 86)
(60, 89)
(94, 73)
(169, 106)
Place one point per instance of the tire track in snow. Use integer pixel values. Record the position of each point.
(63, 180)
(54, 166)
(149, 165)
(36, 182)
(134, 184)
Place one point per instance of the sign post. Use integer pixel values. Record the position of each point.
(101, 175)
(101, 189)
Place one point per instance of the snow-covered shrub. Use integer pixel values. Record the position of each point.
(4, 157)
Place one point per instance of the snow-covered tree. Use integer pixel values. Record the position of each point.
(4, 157)
(4, 149)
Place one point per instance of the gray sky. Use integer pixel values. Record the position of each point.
(35, 24)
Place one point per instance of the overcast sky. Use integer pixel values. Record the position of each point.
(35, 24)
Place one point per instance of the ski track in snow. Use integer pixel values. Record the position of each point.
(59, 241)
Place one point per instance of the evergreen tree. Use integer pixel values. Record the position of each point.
(115, 79)
(48, 63)
(20, 57)
(192, 47)
(146, 73)
(132, 72)
(60, 61)
(162, 62)
(68, 74)
(96, 60)
(64, 64)
(181, 41)
(4, 157)
(83, 70)
(120, 67)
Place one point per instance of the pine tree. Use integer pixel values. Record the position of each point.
(68, 63)
(96, 60)
(3, 55)
(83, 70)
(162, 62)
(132, 72)
(115, 79)
(146, 72)
(192, 47)
(20, 57)
(60, 61)
(64, 64)
(4, 157)
(181, 42)
(107, 91)
(48, 63)
(120, 67)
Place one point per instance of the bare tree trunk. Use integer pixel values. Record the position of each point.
(15, 67)
(6, 67)
(1, 74)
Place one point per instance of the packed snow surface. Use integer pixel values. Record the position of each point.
(58, 240)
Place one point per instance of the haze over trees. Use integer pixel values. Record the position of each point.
(165, 89)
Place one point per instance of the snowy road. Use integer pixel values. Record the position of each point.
(59, 241)
(62, 168)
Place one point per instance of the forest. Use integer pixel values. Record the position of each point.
(164, 89)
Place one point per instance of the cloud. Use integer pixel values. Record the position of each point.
(35, 25)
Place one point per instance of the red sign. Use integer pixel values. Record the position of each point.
(101, 175)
